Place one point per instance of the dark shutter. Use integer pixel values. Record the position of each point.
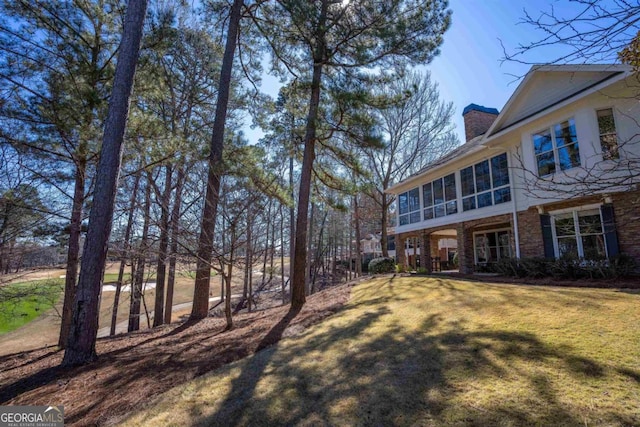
(610, 235)
(547, 236)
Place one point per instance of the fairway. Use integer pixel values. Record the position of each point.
(22, 302)
(434, 351)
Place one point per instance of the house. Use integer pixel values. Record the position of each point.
(555, 174)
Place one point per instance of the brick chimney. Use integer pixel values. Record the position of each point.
(477, 120)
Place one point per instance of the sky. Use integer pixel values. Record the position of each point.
(469, 68)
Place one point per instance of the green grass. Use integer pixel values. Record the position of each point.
(113, 277)
(22, 302)
(433, 352)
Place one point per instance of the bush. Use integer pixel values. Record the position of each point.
(422, 270)
(567, 268)
(382, 265)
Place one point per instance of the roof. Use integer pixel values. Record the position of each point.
(461, 150)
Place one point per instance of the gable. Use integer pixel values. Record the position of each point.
(545, 87)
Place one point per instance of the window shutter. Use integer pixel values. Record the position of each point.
(547, 236)
(610, 235)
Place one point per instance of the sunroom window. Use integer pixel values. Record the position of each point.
(409, 207)
(439, 197)
(557, 148)
(485, 183)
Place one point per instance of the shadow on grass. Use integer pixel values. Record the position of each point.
(341, 377)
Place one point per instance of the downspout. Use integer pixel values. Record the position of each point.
(516, 233)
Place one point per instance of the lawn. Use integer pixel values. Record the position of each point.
(423, 351)
(22, 302)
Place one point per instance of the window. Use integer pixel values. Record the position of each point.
(491, 246)
(579, 235)
(557, 148)
(485, 183)
(440, 197)
(608, 134)
(409, 207)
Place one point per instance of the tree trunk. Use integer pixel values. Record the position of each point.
(383, 224)
(356, 218)
(73, 252)
(308, 260)
(292, 215)
(81, 345)
(175, 222)
(227, 301)
(283, 283)
(158, 314)
(138, 280)
(125, 252)
(200, 307)
(298, 297)
(265, 255)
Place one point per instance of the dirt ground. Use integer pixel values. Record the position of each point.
(138, 367)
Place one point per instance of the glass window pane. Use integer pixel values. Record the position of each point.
(483, 179)
(593, 247)
(608, 134)
(403, 203)
(565, 225)
(568, 247)
(492, 239)
(404, 219)
(605, 121)
(428, 213)
(502, 195)
(469, 203)
(569, 156)
(542, 142)
(427, 195)
(452, 207)
(609, 144)
(438, 192)
(439, 211)
(546, 163)
(565, 133)
(414, 200)
(414, 217)
(466, 178)
(484, 199)
(499, 170)
(450, 187)
(482, 251)
(589, 222)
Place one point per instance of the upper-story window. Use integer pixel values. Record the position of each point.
(440, 197)
(557, 148)
(485, 183)
(409, 206)
(608, 134)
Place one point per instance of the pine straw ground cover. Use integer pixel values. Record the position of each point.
(433, 352)
(132, 369)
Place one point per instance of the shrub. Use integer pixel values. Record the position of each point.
(382, 265)
(422, 270)
(567, 268)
